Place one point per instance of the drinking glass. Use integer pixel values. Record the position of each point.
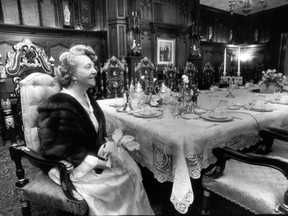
(230, 90)
(178, 109)
(134, 103)
(168, 111)
(213, 98)
(222, 107)
(277, 94)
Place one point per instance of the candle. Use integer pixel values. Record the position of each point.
(224, 71)
(238, 73)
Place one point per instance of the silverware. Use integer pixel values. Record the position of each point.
(237, 117)
(213, 125)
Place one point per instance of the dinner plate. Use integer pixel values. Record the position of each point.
(283, 103)
(130, 112)
(207, 117)
(260, 109)
(121, 109)
(233, 108)
(200, 111)
(204, 91)
(190, 116)
(117, 104)
(243, 87)
(238, 104)
(142, 114)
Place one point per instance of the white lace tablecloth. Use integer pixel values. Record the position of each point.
(176, 149)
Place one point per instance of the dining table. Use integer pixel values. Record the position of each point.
(177, 148)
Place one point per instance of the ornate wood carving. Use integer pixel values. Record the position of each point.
(115, 77)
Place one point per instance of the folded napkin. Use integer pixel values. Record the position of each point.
(182, 194)
(116, 151)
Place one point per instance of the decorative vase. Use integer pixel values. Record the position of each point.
(270, 87)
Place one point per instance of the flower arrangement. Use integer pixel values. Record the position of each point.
(116, 148)
(272, 76)
(185, 92)
(189, 91)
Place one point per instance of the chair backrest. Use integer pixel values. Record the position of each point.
(115, 79)
(208, 76)
(171, 76)
(191, 71)
(145, 68)
(33, 75)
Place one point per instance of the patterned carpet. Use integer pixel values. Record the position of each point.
(158, 193)
(9, 204)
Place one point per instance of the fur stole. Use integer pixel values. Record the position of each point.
(66, 131)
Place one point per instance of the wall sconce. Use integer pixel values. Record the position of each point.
(133, 22)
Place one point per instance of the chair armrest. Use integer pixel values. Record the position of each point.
(225, 153)
(253, 159)
(275, 133)
(18, 152)
(265, 144)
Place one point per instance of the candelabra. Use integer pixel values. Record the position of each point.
(133, 22)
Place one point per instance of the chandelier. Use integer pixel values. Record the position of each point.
(246, 5)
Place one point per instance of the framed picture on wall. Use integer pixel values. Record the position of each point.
(165, 51)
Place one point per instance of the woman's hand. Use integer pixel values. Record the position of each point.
(103, 164)
(106, 149)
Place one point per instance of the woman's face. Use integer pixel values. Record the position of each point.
(85, 71)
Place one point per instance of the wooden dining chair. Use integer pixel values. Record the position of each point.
(171, 77)
(145, 68)
(255, 181)
(115, 77)
(208, 76)
(34, 78)
(192, 72)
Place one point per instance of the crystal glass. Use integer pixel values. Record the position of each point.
(230, 90)
(277, 94)
(176, 111)
(222, 108)
(213, 98)
(168, 111)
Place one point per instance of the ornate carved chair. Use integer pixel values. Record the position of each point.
(33, 75)
(191, 71)
(115, 81)
(147, 79)
(256, 181)
(171, 77)
(208, 76)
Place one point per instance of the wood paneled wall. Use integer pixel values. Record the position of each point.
(52, 41)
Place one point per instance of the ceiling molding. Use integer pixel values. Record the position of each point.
(224, 5)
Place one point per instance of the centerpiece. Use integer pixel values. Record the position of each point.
(188, 94)
(272, 81)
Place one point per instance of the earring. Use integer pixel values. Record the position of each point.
(75, 80)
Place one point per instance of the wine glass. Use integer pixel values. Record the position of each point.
(230, 90)
(277, 94)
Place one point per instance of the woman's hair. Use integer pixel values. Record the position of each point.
(67, 66)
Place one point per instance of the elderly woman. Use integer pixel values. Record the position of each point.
(72, 128)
